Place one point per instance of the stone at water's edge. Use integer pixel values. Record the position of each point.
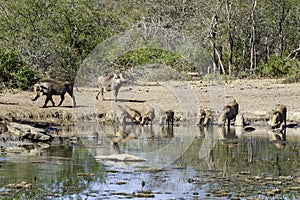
(120, 157)
(25, 131)
(296, 116)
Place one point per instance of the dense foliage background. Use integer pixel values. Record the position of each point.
(51, 38)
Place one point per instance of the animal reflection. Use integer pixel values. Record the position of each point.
(166, 132)
(207, 149)
(228, 136)
(126, 136)
(279, 141)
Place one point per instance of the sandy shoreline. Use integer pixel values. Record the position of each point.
(256, 100)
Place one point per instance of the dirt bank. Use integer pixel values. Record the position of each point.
(256, 98)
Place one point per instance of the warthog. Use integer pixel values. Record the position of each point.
(206, 117)
(229, 112)
(129, 113)
(135, 115)
(148, 115)
(278, 118)
(51, 87)
(170, 117)
(111, 83)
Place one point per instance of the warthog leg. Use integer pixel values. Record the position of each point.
(62, 98)
(49, 97)
(102, 93)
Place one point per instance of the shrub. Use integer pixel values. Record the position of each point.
(14, 72)
(275, 67)
(148, 56)
(289, 69)
(294, 71)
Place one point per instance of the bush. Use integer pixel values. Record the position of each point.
(14, 72)
(25, 78)
(275, 67)
(289, 69)
(294, 71)
(150, 56)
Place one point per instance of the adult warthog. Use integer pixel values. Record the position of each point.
(278, 117)
(206, 117)
(111, 83)
(51, 87)
(170, 117)
(229, 112)
(148, 115)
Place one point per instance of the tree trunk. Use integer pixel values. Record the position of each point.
(212, 37)
(230, 38)
(283, 15)
(253, 48)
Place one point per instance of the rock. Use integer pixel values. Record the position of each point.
(14, 150)
(121, 157)
(25, 131)
(249, 129)
(86, 174)
(296, 117)
(22, 185)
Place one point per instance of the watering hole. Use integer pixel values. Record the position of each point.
(167, 163)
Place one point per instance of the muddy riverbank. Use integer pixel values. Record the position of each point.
(256, 99)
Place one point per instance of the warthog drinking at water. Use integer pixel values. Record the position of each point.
(278, 118)
(111, 83)
(229, 112)
(206, 117)
(148, 115)
(51, 87)
(170, 117)
(129, 113)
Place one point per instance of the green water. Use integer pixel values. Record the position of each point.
(189, 163)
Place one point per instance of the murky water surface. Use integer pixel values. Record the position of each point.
(183, 163)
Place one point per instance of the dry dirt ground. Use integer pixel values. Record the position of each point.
(256, 100)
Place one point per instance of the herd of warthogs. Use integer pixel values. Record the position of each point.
(114, 82)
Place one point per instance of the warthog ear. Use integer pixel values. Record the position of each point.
(43, 88)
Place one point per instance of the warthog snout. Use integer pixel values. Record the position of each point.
(36, 92)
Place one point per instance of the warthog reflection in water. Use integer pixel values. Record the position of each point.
(51, 87)
(111, 83)
(278, 117)
(229, 112)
